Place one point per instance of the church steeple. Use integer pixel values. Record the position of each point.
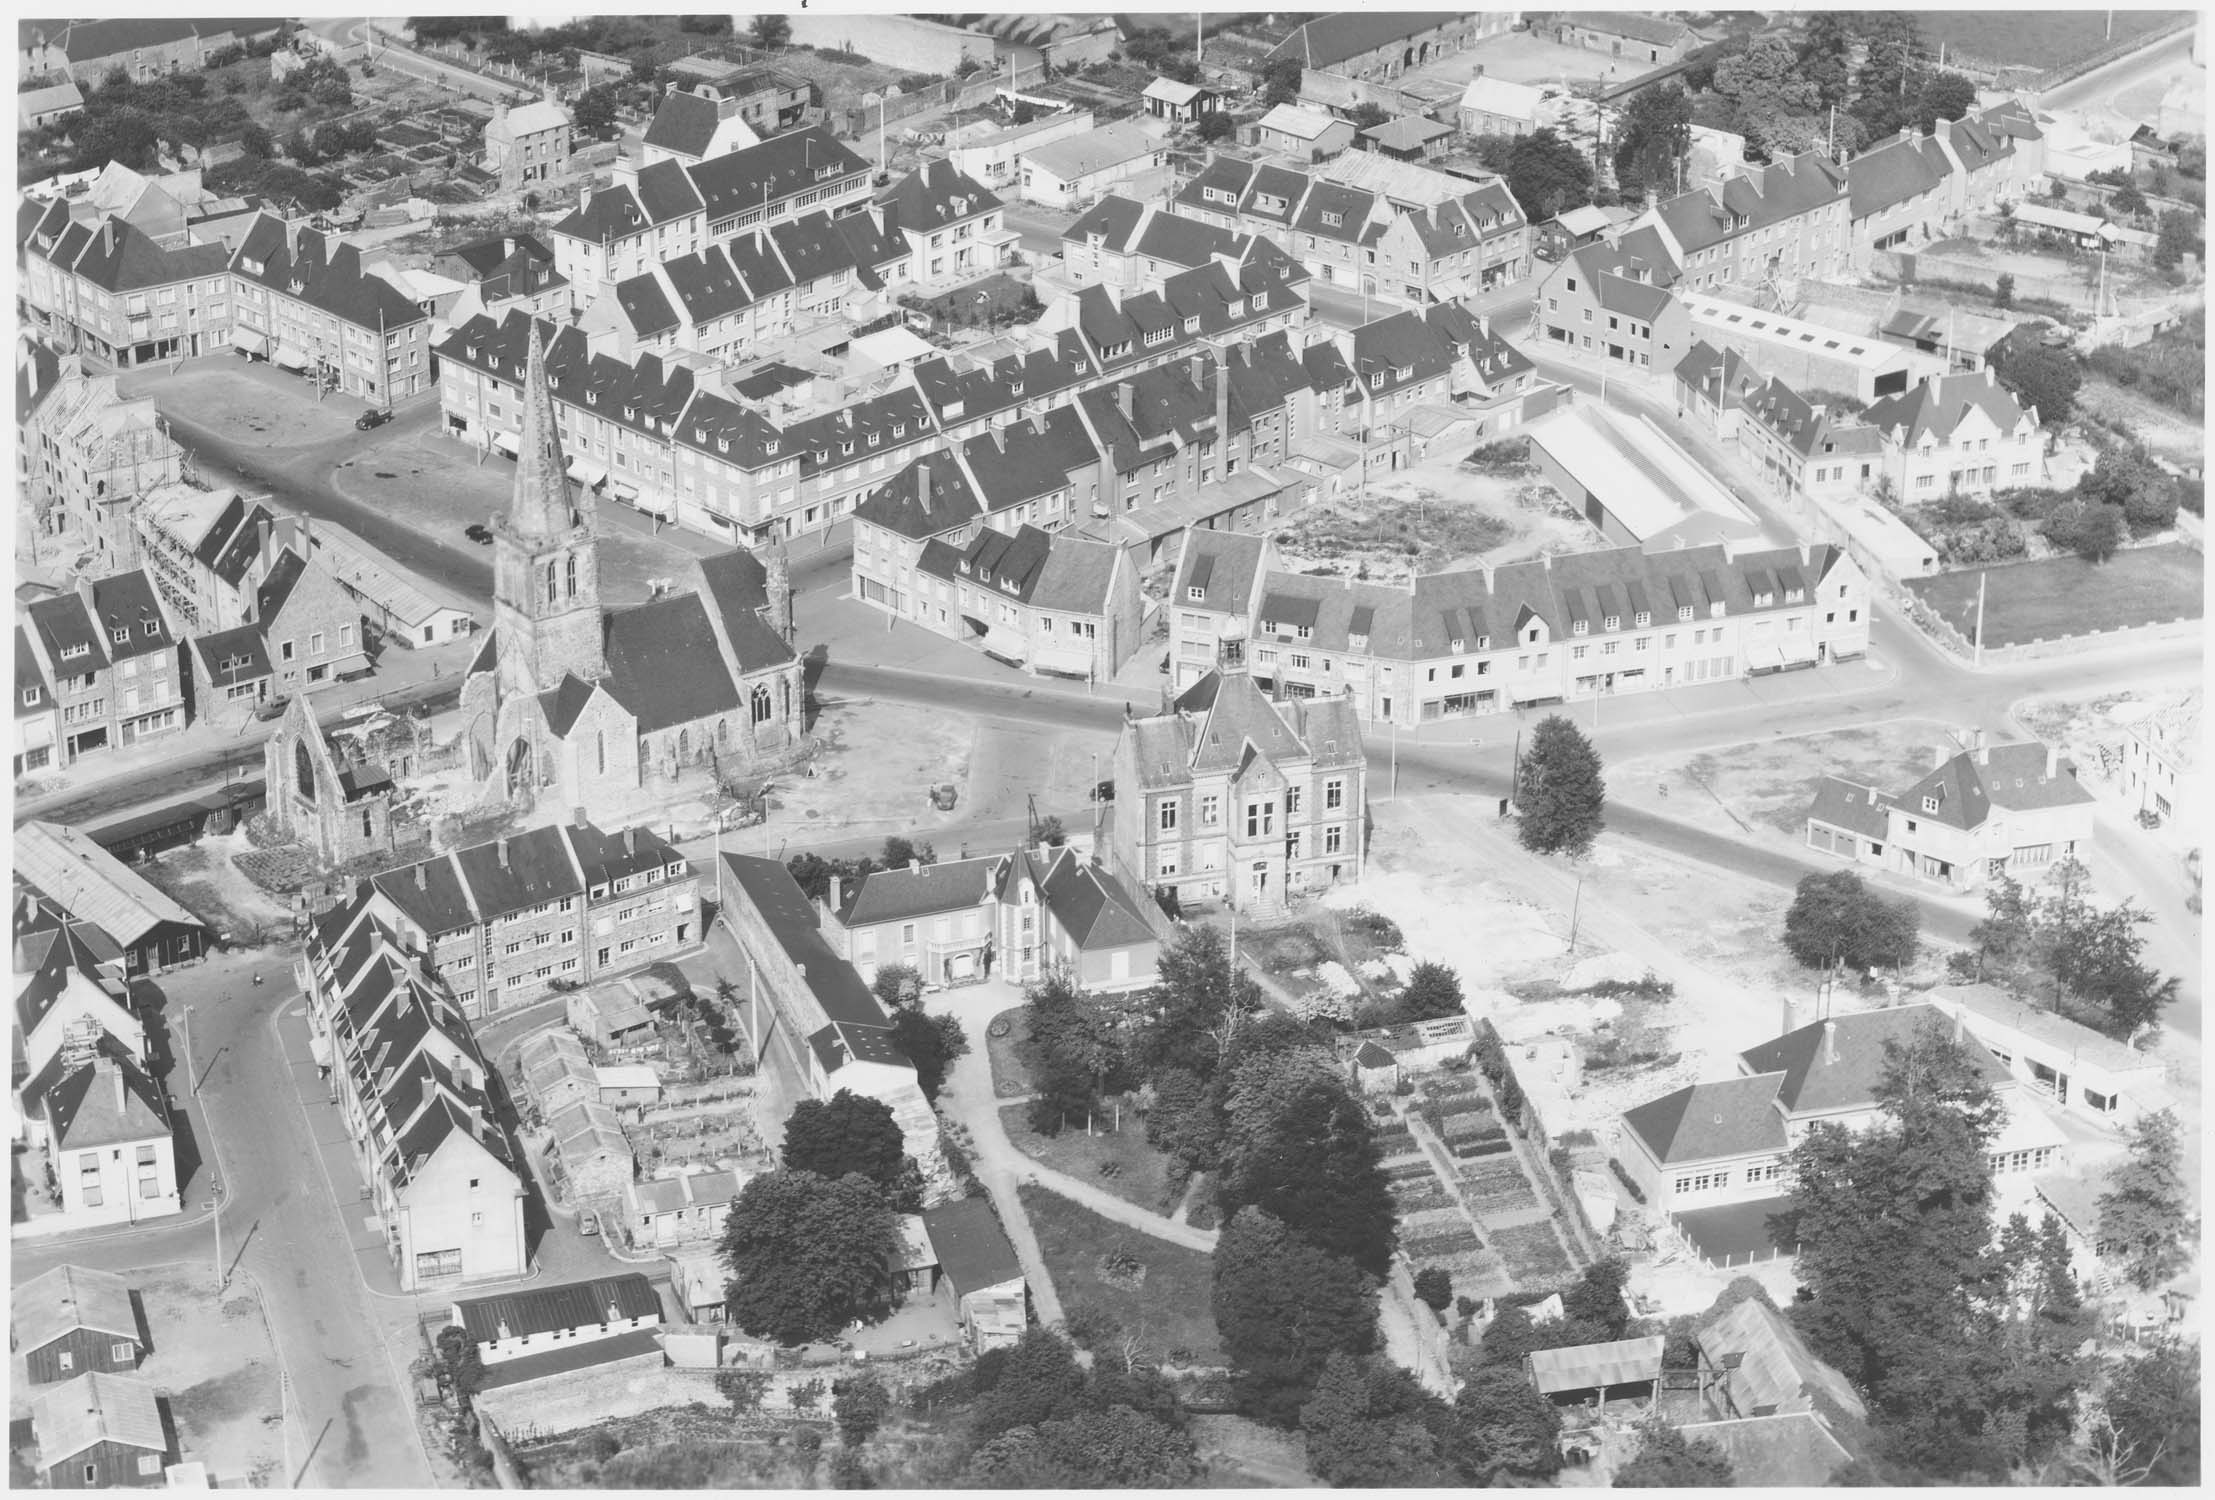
(545, 560)
(541, 506)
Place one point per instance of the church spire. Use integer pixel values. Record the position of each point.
(540, 507)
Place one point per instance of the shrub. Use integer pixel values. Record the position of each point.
(2092, 532)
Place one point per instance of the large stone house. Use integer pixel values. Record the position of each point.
(1229, 796)
(1981, 813)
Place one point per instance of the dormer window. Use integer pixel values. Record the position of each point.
(1614, 622)
(71, 653)
(899, 430)
(1191, 325)
(846, 449)
(1015, 388)
(592, 398)
(769, 447)
(1642, 619)
(722, 445)
(1930, 804)
(1333, 219)
(875, 438)
(1238, 307)
(630, 413)
(1684, 612)
(1157, 336)
(1581, 627)
(1376, 381)
(1763, 601)
(1197, 593)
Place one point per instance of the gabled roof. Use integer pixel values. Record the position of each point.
(105, 1101)
(2014, 778)
(127, 602)
(775, 169)
(96, 1408)
(1891, 174)
(1300, 124)
(1849, 805)
(1655, 31)
(835, 988)
(550, 1309)
(1074, 158)
(930, 496)
(1329, 40)
(1837, 1064)
(664, 664)
(1093, 907)
(1497, 96)
(971, 1247)
(736, 585)
(1407, 133)
(61, 1301)
(937, 194)
(904, 895)
(230, 657)
(1937, 405)
(92, 884)
(1712, 1121)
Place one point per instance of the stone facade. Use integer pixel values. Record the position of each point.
(340, 811)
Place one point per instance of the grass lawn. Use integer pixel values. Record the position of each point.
(1772, 781)
(1168, 1296)
(2066, 596)
(2033, 38)
(1118, 1162)
(1010, 1054)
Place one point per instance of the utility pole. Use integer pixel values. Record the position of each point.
(1981, 576)
(1576, 911)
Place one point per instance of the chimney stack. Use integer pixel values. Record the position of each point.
(2053, 762)
(1830, 1041)
(122, 1092)
(578, 818)
(422, 880)
(1939, 755)
(630, 841)
(266, 536)
(923, 486)
(503, 847)
(1223, 411)
(838, 892)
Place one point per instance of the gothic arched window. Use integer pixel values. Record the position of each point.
(761, 703)
(600, 747)
(684, 744)
(550, 583)
(572, 575)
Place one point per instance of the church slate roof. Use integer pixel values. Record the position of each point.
(665, 665)
(738, 586)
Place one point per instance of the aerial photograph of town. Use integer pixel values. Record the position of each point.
(848, 750)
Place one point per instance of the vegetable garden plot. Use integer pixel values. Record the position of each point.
(1532, 1254)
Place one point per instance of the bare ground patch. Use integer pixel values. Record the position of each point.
(205, 881)
(1768, 784)
(880, 756)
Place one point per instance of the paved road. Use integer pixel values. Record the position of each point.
(280, 1226)
(2102, 87)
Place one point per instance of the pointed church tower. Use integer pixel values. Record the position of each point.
(545, 561)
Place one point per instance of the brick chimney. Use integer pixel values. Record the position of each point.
(502, 845)
(838, 892)
(1830, 1042)
(923, 486)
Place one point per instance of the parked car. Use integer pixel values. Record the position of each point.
(479, 533)
(374, 417)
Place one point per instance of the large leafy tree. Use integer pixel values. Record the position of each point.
(1836, 919)
(1314, 1165)
(932, 1043)
(1962, 1346)
(2147, 1208)
(1651, 143)
(1371, 1425)
(1079, 1054)
(1198, 1001)
(1887, 86)
(2096, 954)
(1559, 790)
(1826, 56)
(1511, 1433)
(1775, 103)
(847, 1132)
(807, 1255)
(1547, 174)
(1283, 1307)
(2039, 376)
(770, 32)
(1668, 1460)
(1112, 1449)
(1943, 96)
(2152, 1403)
(1034, 1380)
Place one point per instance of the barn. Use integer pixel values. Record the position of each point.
(99, 1432)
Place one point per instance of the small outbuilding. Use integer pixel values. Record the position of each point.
(72, 1320)
(1623, 1368)
(983, 1270)
(99, 1432)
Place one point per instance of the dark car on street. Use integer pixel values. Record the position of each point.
(479, 533)
(373, 418)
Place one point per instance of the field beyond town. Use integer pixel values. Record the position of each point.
(2068, 596)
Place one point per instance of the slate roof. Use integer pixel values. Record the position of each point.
(737, 585)
(230, 657)
(1892, 174)
(1224, 565)
(683, 122)
(1075, 577)
(1849, 805)
(1723, 377)
(1580, 1367)
(929, 497)
(33, 693)
(584, 1354)
(1784, 1450)
(94, 1408)
(1408, 133)
(1836, 1064)
(2010, 777)
(66, 1298)
(324, 272)
(576, 1304)
(520, 871)
(664, 664)
(488, 254)
(1771, 1366)
(791, 919)
(1092, 906)
(937, 194)
(904, 895)
(1655, 31)
(1329, 40)
(780, 166)
(972, 1249)
(85, 1109)
(1712, 1121)
(1936, 407)
(126, 602)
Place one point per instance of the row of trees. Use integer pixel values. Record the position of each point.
(2065, 950)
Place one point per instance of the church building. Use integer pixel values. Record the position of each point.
(569, 705)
